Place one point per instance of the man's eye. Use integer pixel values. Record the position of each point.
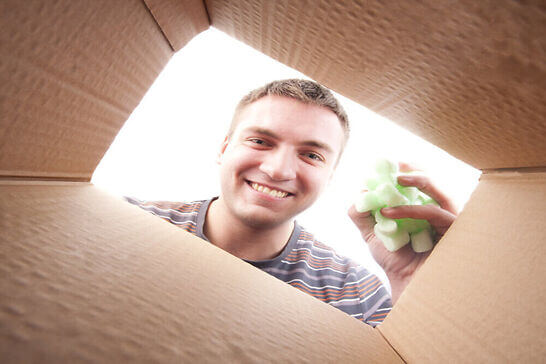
(258, 141)
(314, 156)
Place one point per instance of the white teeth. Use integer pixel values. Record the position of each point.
(271, 192)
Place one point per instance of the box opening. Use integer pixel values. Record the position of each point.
(179, 126)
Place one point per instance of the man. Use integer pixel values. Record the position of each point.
(282, 148)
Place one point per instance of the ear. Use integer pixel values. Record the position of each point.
(222, 150)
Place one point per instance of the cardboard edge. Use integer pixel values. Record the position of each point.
(52, 348)
(395, 327)
(168, 14)
(511, 172)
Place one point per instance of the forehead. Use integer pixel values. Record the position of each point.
(292, 119)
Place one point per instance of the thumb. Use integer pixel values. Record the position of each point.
(364, 221)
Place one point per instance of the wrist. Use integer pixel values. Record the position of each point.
(398, 284)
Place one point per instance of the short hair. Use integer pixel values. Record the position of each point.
(306, 91)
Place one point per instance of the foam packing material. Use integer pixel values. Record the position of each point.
(384, 191)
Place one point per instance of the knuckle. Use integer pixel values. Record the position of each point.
(367, 236)
(432, 208)
(356, 217)
(423, 182)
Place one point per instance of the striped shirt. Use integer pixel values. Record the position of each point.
(304, 263)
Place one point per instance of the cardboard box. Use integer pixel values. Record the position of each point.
(87, 277)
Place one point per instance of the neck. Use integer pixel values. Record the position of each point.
(245, 242)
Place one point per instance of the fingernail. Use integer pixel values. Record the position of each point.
(386, 209)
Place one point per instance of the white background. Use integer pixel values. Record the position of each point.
(167, 149)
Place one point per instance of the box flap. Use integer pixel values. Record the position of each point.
(71, 75)
(179, 20)
(468, 76)
(88, 277)
(480, 296)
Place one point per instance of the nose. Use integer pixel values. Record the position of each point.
(280, 164)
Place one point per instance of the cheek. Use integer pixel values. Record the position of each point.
(238, 159)
(316, 179)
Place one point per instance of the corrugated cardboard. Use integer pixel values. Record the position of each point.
(71, 74)
(468, 76)
(88, 278)
(94, 279)
(481, 296)
(179, 20)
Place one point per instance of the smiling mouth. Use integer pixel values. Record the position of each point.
(268, 190)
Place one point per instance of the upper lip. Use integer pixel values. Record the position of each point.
(270, 187)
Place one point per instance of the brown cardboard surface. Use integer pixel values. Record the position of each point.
(468, 76)
(179, 20)
(71, 74)
(481, 295)
(85, 277)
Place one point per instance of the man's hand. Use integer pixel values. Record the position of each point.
(403, 263)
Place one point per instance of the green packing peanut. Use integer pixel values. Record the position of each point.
(384, 191)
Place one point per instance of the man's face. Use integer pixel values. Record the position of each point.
(278, 160)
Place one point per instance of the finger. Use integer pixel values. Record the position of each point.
(423, 184)
(364, 222)
(408, 167)
(439, 218)
(354, 214)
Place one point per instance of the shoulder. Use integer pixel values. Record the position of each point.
(313, 250)
(167, 207)
(177, 207)
(184, 214)
(349, 285)
(352, 272)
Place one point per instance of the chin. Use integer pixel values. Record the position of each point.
(264, 221)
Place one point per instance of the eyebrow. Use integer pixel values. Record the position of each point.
(310, 143)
